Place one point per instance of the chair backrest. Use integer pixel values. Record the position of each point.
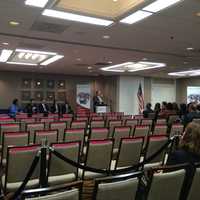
(13, 139)
(129, 152)
(141, 131)
(119, 187)
(70, 150)
(14, 127)
(70, 191)
(78, 124)
(99, 133)
(153, 145)
(176, 129)
(194, 192)
(97, 118)
(109, 118)
(60, 126)
(67, 115)
(160, 129)
(6, 120)
(125, 117)
(32, 127)
(71, 135)
(68, 120)
(99, 154)
(47, 121)
(19, 160)
(172, 119)
(161, 121)
(97, 124)
(147, 122)
(24, 121)
(166, 185)
(51, 136)
(120, 132)
(112, 124)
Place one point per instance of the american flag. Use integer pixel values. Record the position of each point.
(140, 99)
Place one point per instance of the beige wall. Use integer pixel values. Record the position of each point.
(10, 86)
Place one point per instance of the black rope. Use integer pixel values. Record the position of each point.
(112, 172)
(28, 176)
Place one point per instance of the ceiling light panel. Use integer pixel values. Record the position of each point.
(5, 54)
(160, 5)
(75, 17)
(136, 17)
(133, 66)
(185, 73)
(36, 3)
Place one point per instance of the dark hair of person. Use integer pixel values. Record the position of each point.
(15, 101)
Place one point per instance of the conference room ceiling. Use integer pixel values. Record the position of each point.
(164, 37)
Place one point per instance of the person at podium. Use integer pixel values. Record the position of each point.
(98, 100)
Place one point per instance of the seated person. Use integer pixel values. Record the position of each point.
(30, 108)
(55, 108)
(188, 152)
(147, 110)
(66, 108)
(192, 113)
(14, 108)
(43, 107)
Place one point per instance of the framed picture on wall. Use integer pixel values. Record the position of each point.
(50, 96)
(25, 95)
(38, 84)
(61, 84)
(61, 96)
(50, 84)
(38, 95)
(26, 83)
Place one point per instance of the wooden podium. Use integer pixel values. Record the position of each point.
(102, 109)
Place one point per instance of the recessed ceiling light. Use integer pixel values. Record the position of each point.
(198, 14)
(5, 43)
(133, 66)
(51, 60)
(106, 36)
(14, 23)
(115, 0)
(160, 5)
(21, 63)
(190, 48)
(110, 62)
(5, 54)
(78, 59)
(185, 73)
(185, 63)
(77, 18)
(144, 59)
(89, 67)
(136, 16)
(36, 3)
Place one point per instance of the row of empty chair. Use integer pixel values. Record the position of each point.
(164, 183)
(99, 155)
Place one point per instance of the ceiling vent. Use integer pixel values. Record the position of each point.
(102, 63)
(48, 27)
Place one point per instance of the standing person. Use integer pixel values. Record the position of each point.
(14, 108)
(97, 100)
(43, 108)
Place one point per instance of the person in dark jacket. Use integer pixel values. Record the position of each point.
(192, 113)
(147, 110)
(187, 153)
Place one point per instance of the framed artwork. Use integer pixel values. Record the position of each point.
(26, 83)
(61, 84)
(38, 95)
(50, 84)
(25, 95)
(50, 96)
(61, 96)
(38, 84)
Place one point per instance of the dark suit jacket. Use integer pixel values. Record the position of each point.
(41, 109)
(53, 108)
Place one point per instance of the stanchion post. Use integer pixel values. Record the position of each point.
(43, 166)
